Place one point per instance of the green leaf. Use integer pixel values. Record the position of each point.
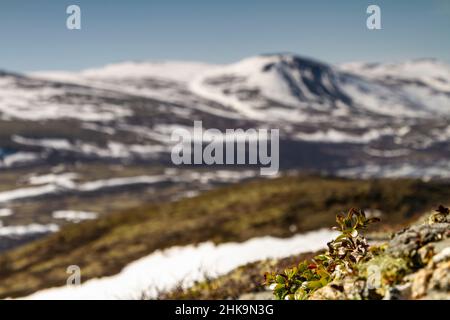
(321, 257)
(313, 285)
(280, 279)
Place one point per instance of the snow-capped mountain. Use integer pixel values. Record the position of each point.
(275, 87)
(99, 139)
(290, 88)
(283, 86)
(341, 116)
(421, 72)
(424, 83)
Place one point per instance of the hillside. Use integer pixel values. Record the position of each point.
(412, 263)
(279, 207)
(98, 141)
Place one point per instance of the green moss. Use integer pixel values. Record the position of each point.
(384, 270)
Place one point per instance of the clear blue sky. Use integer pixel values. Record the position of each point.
(33, 34)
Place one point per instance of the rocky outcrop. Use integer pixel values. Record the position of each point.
(414, 264)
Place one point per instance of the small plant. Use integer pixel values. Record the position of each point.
(343, 254)
(440, 215)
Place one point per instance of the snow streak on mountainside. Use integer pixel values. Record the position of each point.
(356, 113)
(32, 99)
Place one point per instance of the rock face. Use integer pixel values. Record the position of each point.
(414, 264)
(433, 281)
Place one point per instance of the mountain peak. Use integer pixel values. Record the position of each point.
(285, 80)
(286, 60)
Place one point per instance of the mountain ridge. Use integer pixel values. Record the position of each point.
(337, 109)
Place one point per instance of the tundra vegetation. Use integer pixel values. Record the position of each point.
(342, 258)
(277, 207)
(415, 263)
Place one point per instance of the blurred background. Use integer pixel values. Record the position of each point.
(86, 118)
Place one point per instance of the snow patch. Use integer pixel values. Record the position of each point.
(74, 216)
(336, 136)
(54, 184)
(164, 269)
(18, 158)
(438, 170)
(34, 228)
(6, 212)
(173, 70)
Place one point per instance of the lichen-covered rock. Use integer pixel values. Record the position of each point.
(432, 282)
(346, 289)
(333, 291)
(440, 279)
(408, 242)
(398, 292)
(420, 281)
(384, 270)
(442, 251)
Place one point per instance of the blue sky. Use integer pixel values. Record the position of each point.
(33, 34)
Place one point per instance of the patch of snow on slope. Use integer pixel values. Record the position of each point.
(25, 193)
(18, 158)
(170, 70)
(38, 103)
(74, 216)
(113, 149)
(57, 144)
(418, 88)
(34, 228)
(118, 182)
(438, 170)
(5, 212)
(432, 72)
(165, 269)
(335, 136)
(60, 183)
(381, 99)
(64, 179)
(153, 81)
